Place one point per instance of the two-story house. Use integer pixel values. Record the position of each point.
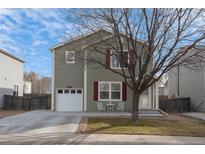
(11, 75)
(78, 86)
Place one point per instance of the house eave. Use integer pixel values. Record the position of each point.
(11, 56)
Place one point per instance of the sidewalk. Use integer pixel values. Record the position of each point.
(109, 139)
(97, 139)
(197, 115)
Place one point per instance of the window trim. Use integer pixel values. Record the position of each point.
(110, 90)
(111, 66)
(66, 54)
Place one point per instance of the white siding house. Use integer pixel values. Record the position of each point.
(11, 75)
(188, 83)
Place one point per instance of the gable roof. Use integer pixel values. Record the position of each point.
(88, 34)
(106, 38)
(11, 56)
(77, 38)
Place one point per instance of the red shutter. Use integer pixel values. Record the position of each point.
(124, 91)
(95, 90)
(107, 58)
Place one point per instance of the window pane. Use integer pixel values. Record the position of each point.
(72, 91)
(104, 95)
(70, 56)
(60, 91)
(115, 95)
(79, 91)
(115, 62)
(115, 86)
(123, 64)
(66, 91)
(104, 86)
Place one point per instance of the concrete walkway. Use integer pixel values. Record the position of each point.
(96, 139)
(148, 113)
(197, 115)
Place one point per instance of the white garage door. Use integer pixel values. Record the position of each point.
(70, 100)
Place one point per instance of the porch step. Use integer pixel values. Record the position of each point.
(146, 111)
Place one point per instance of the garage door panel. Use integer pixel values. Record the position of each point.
(71, 102)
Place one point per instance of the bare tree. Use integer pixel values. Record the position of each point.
(167, 38)
(39, 84)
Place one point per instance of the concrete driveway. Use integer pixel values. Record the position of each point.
(36, 122)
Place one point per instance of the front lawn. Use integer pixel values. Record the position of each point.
(177, 127)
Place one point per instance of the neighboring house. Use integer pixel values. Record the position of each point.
(163, 86)
(187, 82)
(27, 87)
(191, 84)
(11, 75)
(80, 88)
(48, 83)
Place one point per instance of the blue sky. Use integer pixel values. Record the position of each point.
(29, 33)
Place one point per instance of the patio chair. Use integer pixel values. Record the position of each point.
(120, 107)
(100, 107)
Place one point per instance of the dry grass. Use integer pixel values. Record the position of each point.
(173, 127)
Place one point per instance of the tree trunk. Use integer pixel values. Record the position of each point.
(135, 106)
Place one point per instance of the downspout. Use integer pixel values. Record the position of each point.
(178, 93)
(53, 80)
(85, 82)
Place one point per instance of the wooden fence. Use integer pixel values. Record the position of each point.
(27, 103)
(175, 105)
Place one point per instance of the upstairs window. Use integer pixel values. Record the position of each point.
(70, 57)
(117, 62)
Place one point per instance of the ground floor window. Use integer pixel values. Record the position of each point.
(110, 91)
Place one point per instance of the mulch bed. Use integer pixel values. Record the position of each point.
(82, 126)
(4, 113)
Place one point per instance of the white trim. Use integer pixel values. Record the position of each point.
(157, 95)
(85, 82)
(110, 91)
(66, 54)
(118, 68)
(53, 80)
(150, 94)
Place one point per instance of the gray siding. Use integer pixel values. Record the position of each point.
(73, 74)
(67, 74)
(103, 75)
